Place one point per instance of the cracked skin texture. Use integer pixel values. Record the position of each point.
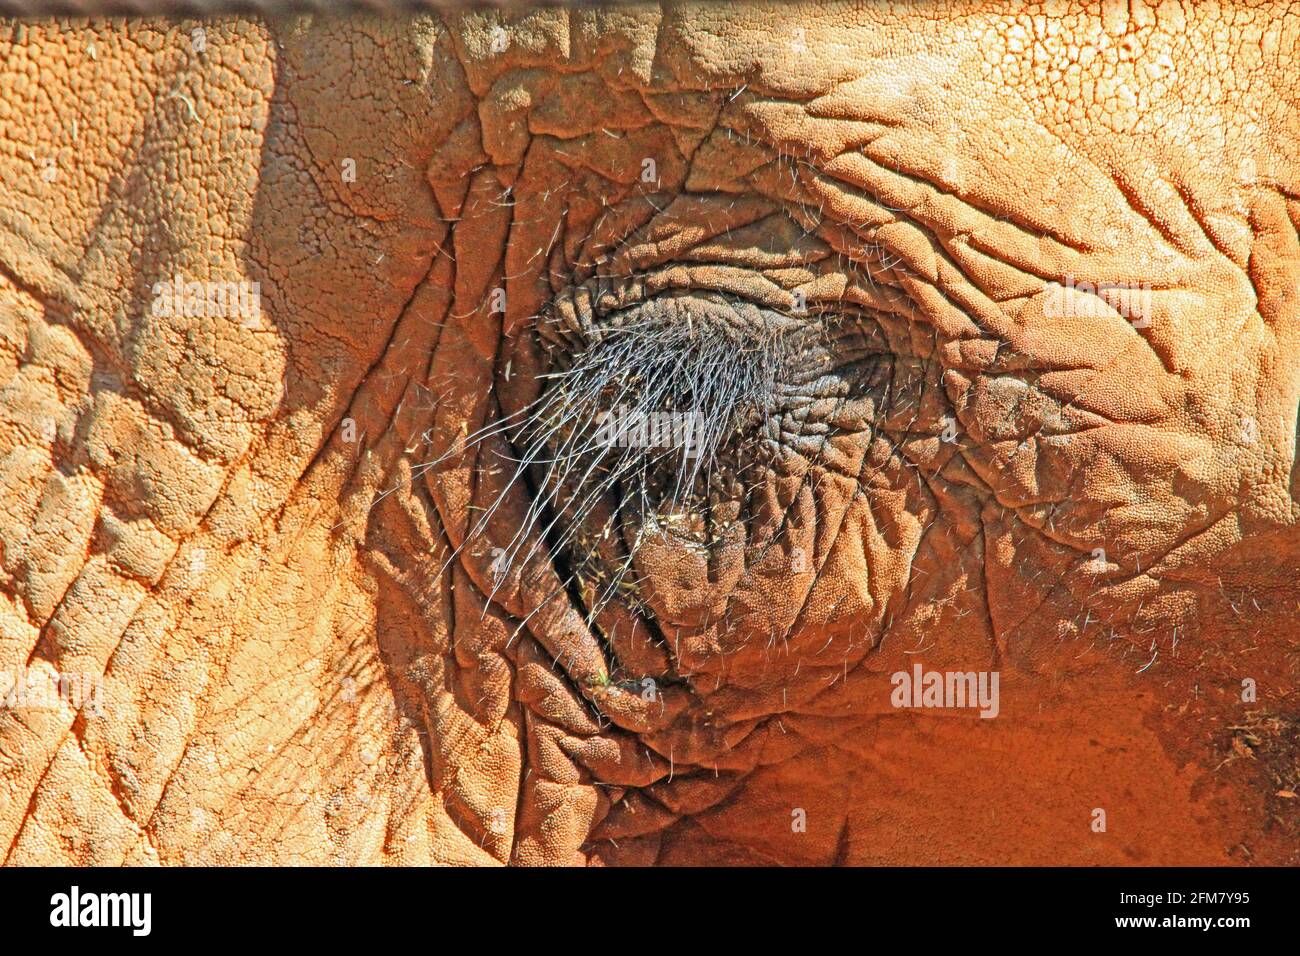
(288, 677)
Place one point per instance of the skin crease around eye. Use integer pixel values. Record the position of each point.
(802, 408)
(982, 326)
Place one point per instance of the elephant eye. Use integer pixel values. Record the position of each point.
(659, 415)
(712, 364)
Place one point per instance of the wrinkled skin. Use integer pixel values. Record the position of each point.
(291, 677)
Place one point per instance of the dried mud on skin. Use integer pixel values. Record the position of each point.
(589, 418)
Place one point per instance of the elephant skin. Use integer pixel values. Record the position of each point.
(1045, 430)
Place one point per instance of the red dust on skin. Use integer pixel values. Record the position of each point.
(310, 651)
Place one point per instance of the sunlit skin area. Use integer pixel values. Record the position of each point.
(728, 434)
